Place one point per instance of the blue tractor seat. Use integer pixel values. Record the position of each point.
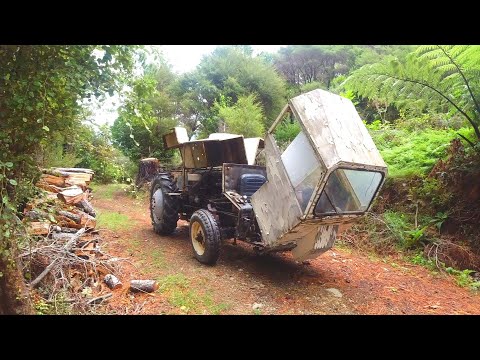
(250, 183)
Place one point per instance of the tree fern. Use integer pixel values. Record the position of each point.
(437, 74)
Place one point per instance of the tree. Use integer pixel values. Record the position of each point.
(147, 114)
(431, 76)
(233, 72)
(41, 89)
(303, 64)
(245, 117)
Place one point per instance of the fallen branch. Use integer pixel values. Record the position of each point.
(68, 246)
(99, 299)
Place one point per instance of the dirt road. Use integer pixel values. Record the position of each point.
(341, 281)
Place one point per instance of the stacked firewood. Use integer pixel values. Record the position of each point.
(67, 189)
(66, 255)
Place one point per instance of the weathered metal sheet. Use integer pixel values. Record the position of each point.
(275, 204)
(206, 153)
(336, 129)
(175, 138)
(318, 240)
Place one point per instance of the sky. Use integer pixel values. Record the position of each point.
(183, 58)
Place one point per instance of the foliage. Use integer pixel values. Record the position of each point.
(146, 116)
(286, 131)
(245, 117)
(434, 77)
(231, 72)
(410, 153)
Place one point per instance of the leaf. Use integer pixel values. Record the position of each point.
(45, 127)
(24, 120)
(9, 164)
(131, 136)
(5, 199)
(13, 182)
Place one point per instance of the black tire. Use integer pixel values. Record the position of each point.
(164, 207)
(209, 240)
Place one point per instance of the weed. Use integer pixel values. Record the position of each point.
(176, 287)
(463, 278)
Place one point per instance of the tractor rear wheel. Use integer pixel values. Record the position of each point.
(205, 237)
(163, 207)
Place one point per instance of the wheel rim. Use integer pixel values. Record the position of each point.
(198, 238)
(157, 205)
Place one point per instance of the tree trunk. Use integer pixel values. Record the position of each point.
(14, 299)
(147, 170)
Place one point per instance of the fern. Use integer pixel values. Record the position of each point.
(439, 75)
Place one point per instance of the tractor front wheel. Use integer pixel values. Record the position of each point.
(205, 237)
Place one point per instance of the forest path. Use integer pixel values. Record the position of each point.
(341, 281)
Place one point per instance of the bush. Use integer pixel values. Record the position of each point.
(408, 153)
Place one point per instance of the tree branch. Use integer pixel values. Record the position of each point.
(474, 125)
(477, 106)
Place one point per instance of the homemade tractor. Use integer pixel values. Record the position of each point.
(327, 177)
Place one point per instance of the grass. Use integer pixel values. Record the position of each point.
(106, 191)
(177, 289)
(113, 220)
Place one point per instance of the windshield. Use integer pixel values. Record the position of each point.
(303, 168)
(347, 191)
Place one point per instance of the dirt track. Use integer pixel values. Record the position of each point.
(339, 282)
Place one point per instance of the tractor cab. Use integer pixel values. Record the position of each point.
(326, 177)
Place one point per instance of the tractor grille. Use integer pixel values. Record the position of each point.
(250, 183)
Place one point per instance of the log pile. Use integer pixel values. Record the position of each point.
(66, 197)
(65, 256)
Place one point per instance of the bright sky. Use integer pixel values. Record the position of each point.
(183, 58)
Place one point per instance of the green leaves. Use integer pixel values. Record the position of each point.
(46, 128)
(439, 75)
(13, 182)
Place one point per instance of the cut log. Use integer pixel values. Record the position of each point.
(75, 170)
(46, 186)
(68, 230)
(72, 195)
(112, 281)
(143, 285)
(53, 180)
(147, 170)
(85, 205)
(88, 221)
(63, 221)
(38, 228)
(70, 215)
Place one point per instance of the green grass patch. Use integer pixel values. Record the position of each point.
(107, 191)
(177, 289)
(113, 220)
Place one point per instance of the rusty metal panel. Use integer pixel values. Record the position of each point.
(275, 204)
(175, 138)
(336, 129)
(233, 172)
(207, 153)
